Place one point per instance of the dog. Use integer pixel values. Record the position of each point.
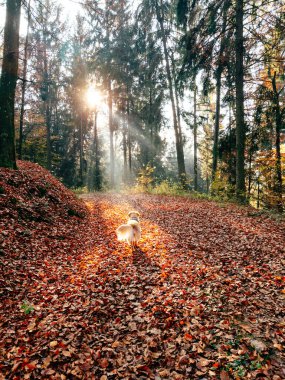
(130, 232)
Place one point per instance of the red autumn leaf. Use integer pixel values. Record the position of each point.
(103, 363)
(188, 336)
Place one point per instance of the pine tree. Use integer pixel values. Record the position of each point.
(240, 122)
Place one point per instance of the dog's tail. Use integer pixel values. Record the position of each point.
(125, 233)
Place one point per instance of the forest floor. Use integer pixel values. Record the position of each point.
(201, 298)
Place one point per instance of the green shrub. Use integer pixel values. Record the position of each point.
(80, 190)
(222, 190)
(168, 188)
(146, 178)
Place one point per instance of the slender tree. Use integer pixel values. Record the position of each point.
(178, 140)
(195, 139)
(278, 126)
(221, 63)
(24, 82)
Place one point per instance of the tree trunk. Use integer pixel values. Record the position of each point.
(149, 149)
(24, 84)
(129, 150)
(249, 174)
(46, 86)
(81, 150)
(178, 115)
(98, 184)
(217, 122)
(218, 92)
(8, 84)
(129, 139)
(111, 130)
(177, 101)
(231, 163)
(48, 127)
(179, 145)
(108, 7)
(195, 140)
(278, 126)
(125, 131)
(240, 124)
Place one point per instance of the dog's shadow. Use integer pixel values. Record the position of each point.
(144, 265)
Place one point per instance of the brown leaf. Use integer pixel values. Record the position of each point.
(258, 345)
(203, 363)
(46, 361)
(224, 375)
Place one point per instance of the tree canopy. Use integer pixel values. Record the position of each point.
(190, 92)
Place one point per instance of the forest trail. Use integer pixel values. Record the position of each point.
(201, 298)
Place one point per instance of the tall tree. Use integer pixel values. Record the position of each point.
(8, 82)
(240, 121)
(278, 126)
(160, 15)
(24, 81)
(221, 63)
(195, 148)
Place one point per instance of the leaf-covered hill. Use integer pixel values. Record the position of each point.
(201, 298)
(36, 211)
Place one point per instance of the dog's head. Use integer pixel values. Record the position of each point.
(134, 215)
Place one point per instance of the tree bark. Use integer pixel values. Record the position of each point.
(8, 83)
(129, 139)
(219, 72)
(125, 131)
(278, 126)
(177, 101)
(240, 124)
(24, 84)
(111, 130)
(217, 122)
(98, 182)
(81, 150)
(195, 140)
(46, 86)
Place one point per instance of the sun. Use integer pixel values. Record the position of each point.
(93, 97)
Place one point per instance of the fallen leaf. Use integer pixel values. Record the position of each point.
(224, 375)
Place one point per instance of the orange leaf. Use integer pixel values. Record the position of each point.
(188, 336)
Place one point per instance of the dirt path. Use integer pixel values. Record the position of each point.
(201, 295)
(201, 298)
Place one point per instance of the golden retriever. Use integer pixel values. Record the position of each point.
(131, 231)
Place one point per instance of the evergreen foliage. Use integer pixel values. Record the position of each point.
(191, 88)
